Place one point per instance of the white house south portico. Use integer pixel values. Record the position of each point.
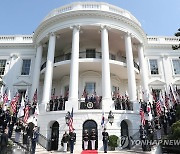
(94, 58)
(102, 56)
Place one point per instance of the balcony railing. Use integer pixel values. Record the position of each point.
(84, 54)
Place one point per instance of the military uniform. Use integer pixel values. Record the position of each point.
(143, 137)
(85, 139)
(65, 140)
(105, 140)
(158, 129)
(72, 140)
(93, 139)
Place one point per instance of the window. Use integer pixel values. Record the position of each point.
(66, 91)
(26, 67)
(156, 94)
(176, 66)
(154, 66)
(22, 93)
(2, 66)
(90, 88)
(90, 53)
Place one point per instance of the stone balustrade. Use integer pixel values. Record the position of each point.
(16, 39)
(91, 6)
(163, 40)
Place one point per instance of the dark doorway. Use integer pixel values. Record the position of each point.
(124, 134)
(55, 136)
(89, 125)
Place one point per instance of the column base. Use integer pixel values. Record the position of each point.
(72, 103)
(108, 104)
(136, 106)
(42, 108)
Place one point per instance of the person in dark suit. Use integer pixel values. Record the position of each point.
(105, 140)
(72, 140)
(4, 142)
(34, 139)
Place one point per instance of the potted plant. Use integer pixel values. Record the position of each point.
(113, 142)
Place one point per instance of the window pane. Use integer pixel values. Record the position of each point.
(154, 66)
(26, 67)
(90, 88)
(176, 65)
(2, 66)
(90, 53)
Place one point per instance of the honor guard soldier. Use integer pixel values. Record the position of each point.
(93, 139)
(72, 140)
(105, 140)
(143, 137)
(85, 139)
(150, 131)
(65, 140)
(158, 128)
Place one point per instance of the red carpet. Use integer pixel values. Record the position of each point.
(89, 152)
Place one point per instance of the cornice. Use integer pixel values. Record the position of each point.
(84, 13)
(159, 46)
(16, 45)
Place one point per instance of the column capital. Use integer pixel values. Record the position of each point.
(75, 27)
(50, 34)
(105, 27)
(139, 45)
(38, 45)
(128, 34)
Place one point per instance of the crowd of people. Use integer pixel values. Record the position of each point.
(56, 104)
(10, 122)
(122, 103)
(159, 125)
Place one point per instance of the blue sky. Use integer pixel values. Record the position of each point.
(158, 17)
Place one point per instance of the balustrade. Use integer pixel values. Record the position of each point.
(85, 54)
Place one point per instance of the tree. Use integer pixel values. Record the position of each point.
(175, 47)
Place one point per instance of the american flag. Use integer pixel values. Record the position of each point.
(158, 108)
(103, 120)
(35, 96)
(5, 97)
(26, 113)
(71, 122)
(14, 102)
(141, 112)
(166, 101)
(172, 95)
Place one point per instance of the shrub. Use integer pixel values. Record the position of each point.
(176, 130)
(113, 141)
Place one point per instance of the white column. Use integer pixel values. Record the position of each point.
(36, 74)
(106, 80)
(143, 70)
(49, 71)
(74, 71)
(130, 69)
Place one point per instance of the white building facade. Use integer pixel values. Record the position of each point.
(88, 47)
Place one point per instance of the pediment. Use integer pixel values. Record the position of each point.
(22, 83)
(157, 82)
